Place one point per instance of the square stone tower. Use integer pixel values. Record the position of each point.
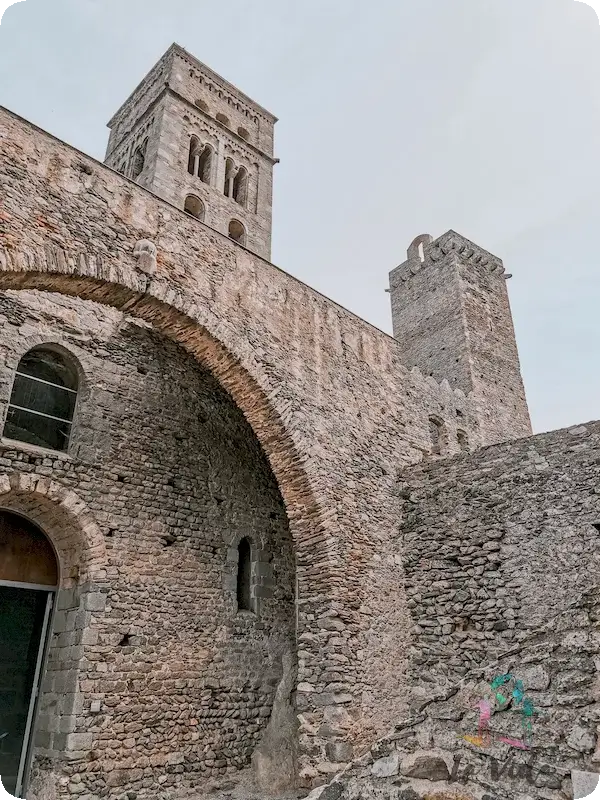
(452, 319)
(193, 139)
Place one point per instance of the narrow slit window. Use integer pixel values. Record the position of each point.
(194, 155)
(42, 402)
(205, 164)
(229, 173)
(244, 576)
(240, 186)
(436, 434)
(139, 160)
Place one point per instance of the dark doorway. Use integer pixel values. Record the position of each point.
(28, 578)
(23, 619)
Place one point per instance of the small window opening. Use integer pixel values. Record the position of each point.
(229, 176)
(200, 160)
(436, 428)
(42, 402)
(237, 232)
(463, 440)
(194, 154)
(244, 574)
(240, 186)
(139, 159)
(421, 251)
(243, 133)
(596, 525)
(194, 207)
(205, 164)
(223, 119)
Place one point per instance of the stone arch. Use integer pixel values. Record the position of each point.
(66, 521)
(178, 316)
(416, 250)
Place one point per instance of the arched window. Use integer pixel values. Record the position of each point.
(200, 160)
(237, 232)
(229, 176)
(205, 164)
(223, 119)
(240, 186)
(437, 435)
(463, 440)
(42, 402)
(244, 576)
(194, 154)
(194, 206)
(243, 133)
(139, 159)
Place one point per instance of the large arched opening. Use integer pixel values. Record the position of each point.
(176, 315)
(231, 536)
(29, 578)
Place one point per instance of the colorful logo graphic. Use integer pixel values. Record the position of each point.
(4, 4)
(508, 692)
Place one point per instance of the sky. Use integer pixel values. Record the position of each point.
(397, 118)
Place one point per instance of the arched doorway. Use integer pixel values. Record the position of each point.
(28, 581)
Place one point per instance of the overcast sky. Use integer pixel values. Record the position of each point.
(397, 117)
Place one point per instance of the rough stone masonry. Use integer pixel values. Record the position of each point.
(275, 525)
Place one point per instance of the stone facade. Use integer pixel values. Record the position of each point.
(149, 649)
(451, 317)
(220, 399)
(443, 752)
(181, 99)
(495, 543)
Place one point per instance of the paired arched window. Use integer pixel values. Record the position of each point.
(200, 160)
(229, 177)
(244, 576)
(139, 159)
(194, 206)
(235, 184)
(237, 232)
(240, 186)
(42, 402)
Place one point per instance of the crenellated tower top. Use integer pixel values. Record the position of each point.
(452, 319)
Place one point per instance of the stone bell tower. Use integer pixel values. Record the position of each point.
(196, 141)
(452, 319)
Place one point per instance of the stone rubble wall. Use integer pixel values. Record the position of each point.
(153, 678)
(494, 544)
(426, 756)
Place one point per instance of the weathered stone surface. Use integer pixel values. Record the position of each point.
(386, 766)
(222, 399)
(425, 767)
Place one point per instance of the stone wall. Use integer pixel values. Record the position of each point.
(539, 743)
(452, 319)
(326, 394)
(153, 675)
(495, 543)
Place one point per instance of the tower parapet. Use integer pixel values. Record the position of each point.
(451, 316)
